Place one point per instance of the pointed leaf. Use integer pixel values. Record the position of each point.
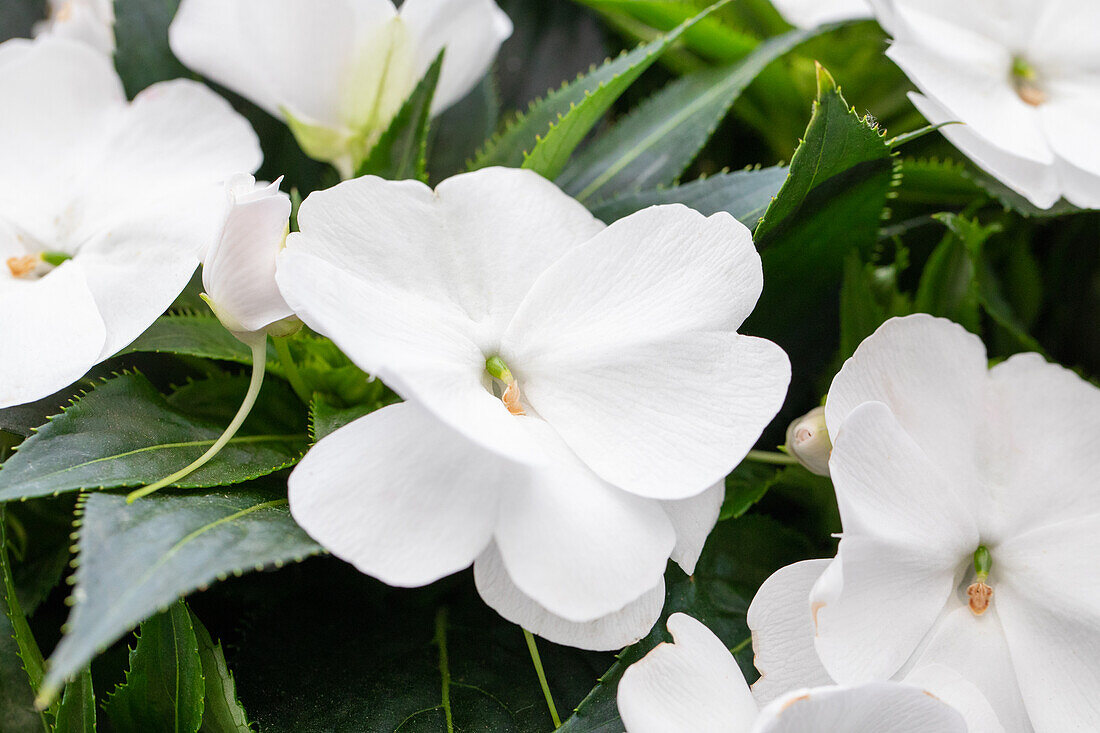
(125, 433)
(400, 152)
(20, 660)
(77, 711)
(656, 142)
(163, 688)
(222, 711)
(134, 559)
(192, 334)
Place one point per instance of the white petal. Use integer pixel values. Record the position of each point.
(1069, 120)
(1034, 181)
(873, 605)
(239, 272)
(279, 53)
(812, 13)
(87, 21)
(400, 495)
(783, 632)
(1063, 38)
(975, 648)
(417, 286)
(888, 488)
(627, 346)
(881, 707)
(578, 546)
(951, 29)
(470, 30)
(690, 685)
(1044, 425)
(51, 331)
(693, 519)
(1048, 595)
(932, 374)
(955, 690)
(608, 633)
(1079, 187)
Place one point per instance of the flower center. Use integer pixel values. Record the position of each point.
(34, 266)
(497, 369)
(979, 592)
(1025, 79)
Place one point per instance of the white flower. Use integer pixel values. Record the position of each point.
(971, 525)
(238, 272)
(88, 21)
(694, 685)
(104, 206)
(338, 71)
(812, 13)
(577, 392)
(1025, 78)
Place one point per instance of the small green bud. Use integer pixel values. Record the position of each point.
(496, 367)
(55, 258)
(983, 561)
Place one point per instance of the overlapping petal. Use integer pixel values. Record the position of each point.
(693, 519)
(883, 707)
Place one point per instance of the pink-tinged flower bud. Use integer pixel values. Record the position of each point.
(808, 441)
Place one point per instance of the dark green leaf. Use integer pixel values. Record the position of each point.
(949, 285)
(163, 689)
(17, 713)
(17, 17)
(653, 145)
(76, 713)
(222, 711)
(738, 558)
(137, 558)
(544, 137)
(744, 487)
(401, 151)
(125, 433)
(141, 35)
(936, 182)
(192, 334)
(326, 418)
(868, 298)
(744, 194)
(44, 550)
(461, 130)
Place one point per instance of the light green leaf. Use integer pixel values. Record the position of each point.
(656, 142)
(125, 433)
(744, 194)
(745, 486)
(544, 137)
(223, 712)
(134, 559)
(401, 151)
(163, 690)
(76, 713)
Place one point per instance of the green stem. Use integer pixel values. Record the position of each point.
(259, 365)
(772, 457)
(444, 666)
(537, 661)
(290, 369)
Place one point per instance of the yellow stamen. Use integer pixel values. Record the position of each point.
(23, 266)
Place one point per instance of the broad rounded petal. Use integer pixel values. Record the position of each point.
(1079, 187)
(1064, 37)
(578, 546)
(975, 648)
(932, 374)
(281, 54)
(470, 30)
(783, 632)
(952, 29)
(812, 13)
(1045, 423)
(874, 604)
(888, 488)
(976, 88)
(664, 419)
(1069, 120)
(955, 690)
(400, 495)
(690, 685)
(1048, 596)
(51, 331)
(881, 707)
(608, 633)
(239, 272)
(1037, 182)
(693, 519)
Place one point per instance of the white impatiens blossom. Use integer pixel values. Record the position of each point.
(576, 392)
(238, 272)
(971, 517)
(337, 71)
(694, 685)
(104, 206)
(812, 13)
(1024, 77)
(88, 21)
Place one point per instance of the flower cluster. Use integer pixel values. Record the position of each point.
(569, 396)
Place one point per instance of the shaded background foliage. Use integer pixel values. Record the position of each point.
(857, 227)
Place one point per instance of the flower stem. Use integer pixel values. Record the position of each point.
(537, 661)
(773, 457)
(259, 365)
(282, 348)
